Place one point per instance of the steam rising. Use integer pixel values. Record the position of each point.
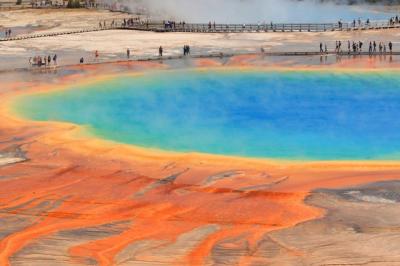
(252, 11)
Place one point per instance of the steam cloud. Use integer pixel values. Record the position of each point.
(252, 11)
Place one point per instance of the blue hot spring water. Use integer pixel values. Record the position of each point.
(292, 115)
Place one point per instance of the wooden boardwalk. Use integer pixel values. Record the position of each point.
(218, 28)
(238, 28)
(210, 55)
(51, 34)
(199, 56)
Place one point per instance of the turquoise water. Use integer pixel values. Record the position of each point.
(285, 115)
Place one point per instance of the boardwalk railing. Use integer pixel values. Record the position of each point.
(50, 34)
(293, 27)
(218, 28)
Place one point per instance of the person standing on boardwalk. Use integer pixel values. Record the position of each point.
(128, 53)
(96, 54)
(160, 51)
(55, 59)
(390, 47)
(320, 48)
(374, 47)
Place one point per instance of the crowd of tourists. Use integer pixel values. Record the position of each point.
(394, 20)
(355, 23)
(130, 21)
(359, 23)
(172, 24)
(126, 22)
(39, 61)
(354, 47)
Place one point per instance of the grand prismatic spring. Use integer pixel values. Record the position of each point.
(254, 149)
(284, 115)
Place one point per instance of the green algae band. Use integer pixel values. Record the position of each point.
(283, 115)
